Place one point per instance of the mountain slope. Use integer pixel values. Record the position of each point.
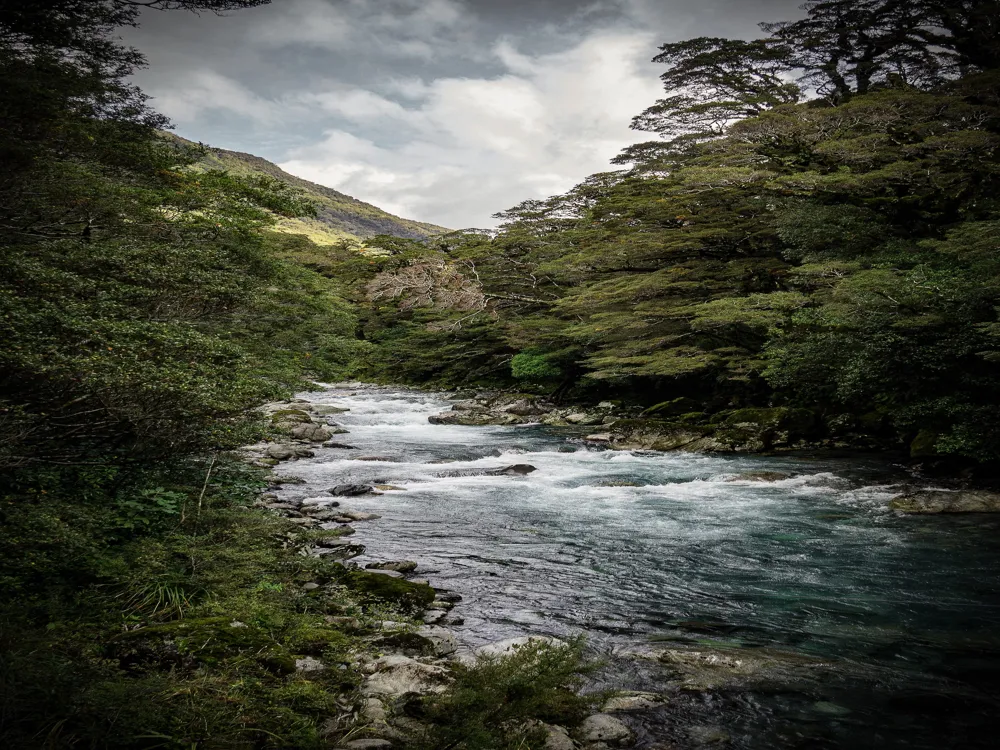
(338, 217)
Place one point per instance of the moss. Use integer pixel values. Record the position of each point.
(385, 588)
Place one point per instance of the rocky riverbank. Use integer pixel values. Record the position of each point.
(676, 425)
(417, 654)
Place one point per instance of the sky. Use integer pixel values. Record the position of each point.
(444, 111)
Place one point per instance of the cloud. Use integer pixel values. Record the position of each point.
(469, 147)
(203, 91)
(393, 28)
(440, 110)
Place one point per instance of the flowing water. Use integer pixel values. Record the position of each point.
(885, 627)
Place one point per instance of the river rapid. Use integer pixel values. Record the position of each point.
(639, 551)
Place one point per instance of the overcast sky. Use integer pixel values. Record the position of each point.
(444, 111)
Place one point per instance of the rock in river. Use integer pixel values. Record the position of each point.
(350, 490)
(930, 502)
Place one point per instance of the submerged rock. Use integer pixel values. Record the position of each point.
(760, 476)
(930, 502)
(726, 668)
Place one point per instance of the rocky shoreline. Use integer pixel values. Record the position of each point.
(417, 658)
(673, 426)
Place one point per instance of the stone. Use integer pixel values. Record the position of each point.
(932, 502)
(314, 433)
(442, 640)
(303, 521)
(389, 488)
(280, 452)
(339, 446)
(631, 701)
(309, 665)
(434, 616)
(350, 490)
(400, 566)
(311, 586)
(513, 470)
(599, 437)
(390, 573)
(373, 710)
(448, 596)
(604, 728)
(351, 516)
(557, 738)
(395, 675)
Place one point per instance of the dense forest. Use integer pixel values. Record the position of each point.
(816, 228)
(813, 230)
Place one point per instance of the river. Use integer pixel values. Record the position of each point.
(638, 550)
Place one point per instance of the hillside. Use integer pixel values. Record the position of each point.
(338, 216)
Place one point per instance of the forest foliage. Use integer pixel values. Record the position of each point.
(816, 226)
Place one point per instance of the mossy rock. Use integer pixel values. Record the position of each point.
(394, 590)
(294, 416)
(782, 417)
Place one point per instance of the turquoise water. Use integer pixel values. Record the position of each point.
(642, 551)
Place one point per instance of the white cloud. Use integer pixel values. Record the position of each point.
(465, 148)
(202, 91)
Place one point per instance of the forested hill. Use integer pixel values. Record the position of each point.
(338, 216)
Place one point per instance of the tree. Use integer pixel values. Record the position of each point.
(851, 47)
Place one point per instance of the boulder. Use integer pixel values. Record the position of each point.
(313, 433)
(396, 675)
(350, 516)
(443, 641)
(931, 502)
(631, 701)
(513, 470)
(389, 488)
(280, 452)
(339, 446)
(599, 437)
(604, 728)
(400, 566)
(351, 490)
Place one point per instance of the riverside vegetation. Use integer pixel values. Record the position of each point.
(791, 264)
